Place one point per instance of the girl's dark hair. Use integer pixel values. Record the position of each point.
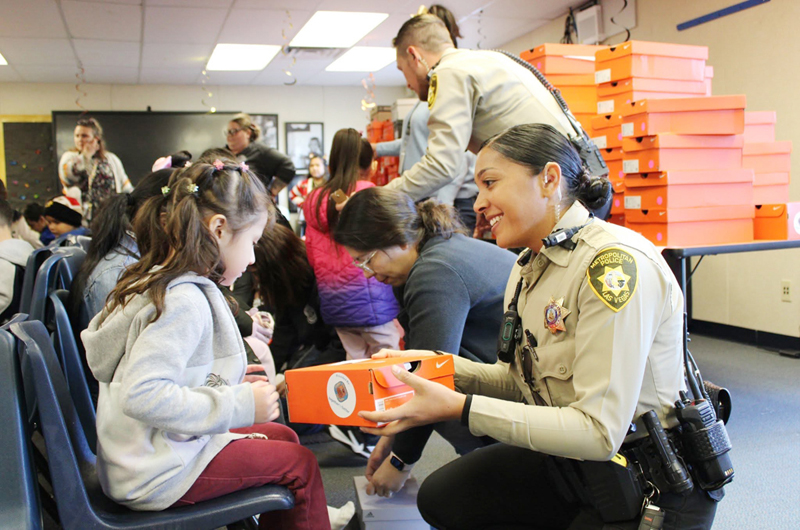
(534, 145)
(172, 229)
(449, 20)
(282, 271)
(180, 159)
(365, 155)
(97, 130)
(343, 168)
(209, 155)
(113, 220)
(379, 217)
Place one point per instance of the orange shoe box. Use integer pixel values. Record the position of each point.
(614, 95)
(618, 199)
(682, 227)
(688, 189)
(771, 194)
(617, 219)
(771, 179)
(578, 93)
(334, 394)
(611, 154)
(759, 127)
(615, 169)
(666, 152)
(650, 59)
(606, 131)
(768, 157)
(585, 119)
(709, 75)
(700, 115)
(572, 80)
(777, 221)
(553, 58)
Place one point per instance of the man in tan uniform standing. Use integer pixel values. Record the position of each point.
(471, 94)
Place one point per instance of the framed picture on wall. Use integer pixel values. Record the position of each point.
(269, 129)
(302, 140)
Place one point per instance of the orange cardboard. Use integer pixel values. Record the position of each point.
(618, 203)
(617, 102)
(578, 93)
(585, 119)
(572, 80)
(699, 233)
(702, 115)
(777, 221)
(759, 127)
(771, 179)
(771, 194)
(639, 84)
(651, 60)
(683, 178)
(615, 169)
(681, 159)
(688, 215)
(768, 157)
(682, 141)
(611, 153)
(333, 394)
(608, 120)
(558, 49)
(551, 64)
(617, 219)
(607, 138)
(689, 195)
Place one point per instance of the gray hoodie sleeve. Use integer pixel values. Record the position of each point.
(162, 378)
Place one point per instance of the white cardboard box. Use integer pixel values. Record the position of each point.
(396, 513)
(401, 108)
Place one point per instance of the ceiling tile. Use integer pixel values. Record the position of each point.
(272, 26)
(169, 76)
(26, 52)
(9, 75)
(231, 78)
(16, 19)
(282, 5)
(183, 24)
(92, 20)
(163, 55)
(193, 3)
(47, 74)
(113, 75)
(107, 53)
(487, 32)
(130, 2)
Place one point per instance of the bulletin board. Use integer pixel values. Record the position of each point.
(27, 166)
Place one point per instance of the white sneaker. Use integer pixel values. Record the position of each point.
(349, 436)
(340, 517)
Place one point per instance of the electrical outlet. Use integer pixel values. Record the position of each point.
(786, 291)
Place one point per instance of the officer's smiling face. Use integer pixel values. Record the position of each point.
(513, 201)
(415, 74)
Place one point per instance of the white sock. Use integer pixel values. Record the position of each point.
(340, 517)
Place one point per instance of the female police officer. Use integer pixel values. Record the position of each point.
(598, 346)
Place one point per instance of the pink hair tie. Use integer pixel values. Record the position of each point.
(218, 164)
(244, 166)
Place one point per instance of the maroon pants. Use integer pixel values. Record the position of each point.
(281, 460)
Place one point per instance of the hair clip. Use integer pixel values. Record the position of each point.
(218, 164)
(244, 167)
(193, 188)
(165, 191)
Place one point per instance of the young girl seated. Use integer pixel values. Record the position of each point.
(180, 419)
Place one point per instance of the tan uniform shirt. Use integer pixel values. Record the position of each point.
(478, 94)
(606, 368)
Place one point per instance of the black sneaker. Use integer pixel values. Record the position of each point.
(353, 438)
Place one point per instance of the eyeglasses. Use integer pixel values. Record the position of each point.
(363, 263)
(231, 132)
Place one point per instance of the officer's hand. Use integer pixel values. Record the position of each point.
(381, 452)
(387, 480)
(432, 402)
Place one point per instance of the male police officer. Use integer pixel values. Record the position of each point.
(471, 94)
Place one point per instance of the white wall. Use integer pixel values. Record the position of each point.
(753, 52)
(337, 107)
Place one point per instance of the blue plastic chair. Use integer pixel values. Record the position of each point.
(19, 501)
(83, 242)
(72, 364)
(81, 502)
(57, 272)
(35, 260)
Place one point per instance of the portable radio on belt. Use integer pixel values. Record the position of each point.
(511, 329)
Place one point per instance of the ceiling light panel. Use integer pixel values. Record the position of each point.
(363, 59)
(241, 57)
(336, 29)
(3, 61)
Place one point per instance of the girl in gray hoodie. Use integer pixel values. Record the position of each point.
(179, 417)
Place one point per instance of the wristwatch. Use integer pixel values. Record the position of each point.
(399, 464)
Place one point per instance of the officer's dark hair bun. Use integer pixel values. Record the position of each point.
(594, 192)
(534, 145)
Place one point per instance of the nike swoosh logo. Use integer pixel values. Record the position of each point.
(439, 365)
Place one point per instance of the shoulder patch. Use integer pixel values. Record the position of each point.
(613, 277)
(432, 87)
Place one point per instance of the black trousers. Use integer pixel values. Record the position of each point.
(505, 487)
